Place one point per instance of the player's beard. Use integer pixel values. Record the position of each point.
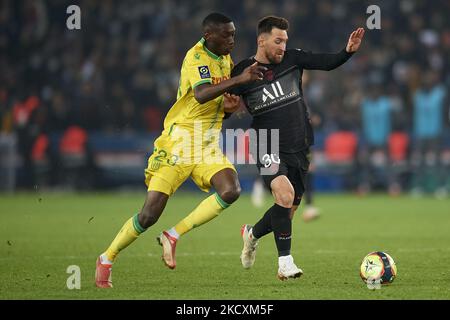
(275, 58)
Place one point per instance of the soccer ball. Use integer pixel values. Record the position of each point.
(378, 267)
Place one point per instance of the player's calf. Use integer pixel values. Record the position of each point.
(153, 207)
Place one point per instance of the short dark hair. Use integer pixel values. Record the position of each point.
(215, 18)
(266, 24)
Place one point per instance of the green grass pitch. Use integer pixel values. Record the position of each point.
(42, 234)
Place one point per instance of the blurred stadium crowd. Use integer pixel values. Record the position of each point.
(119, 74)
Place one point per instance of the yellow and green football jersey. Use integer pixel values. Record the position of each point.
(200, 66)
(177, 152)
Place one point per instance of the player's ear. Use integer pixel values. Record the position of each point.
(261, 40)
(207, 32)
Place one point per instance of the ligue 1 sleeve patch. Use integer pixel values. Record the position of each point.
(204, 72)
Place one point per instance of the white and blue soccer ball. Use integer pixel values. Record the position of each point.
(378, 268)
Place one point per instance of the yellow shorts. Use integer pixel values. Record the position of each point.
(166, 172)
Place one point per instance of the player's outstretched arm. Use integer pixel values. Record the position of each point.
(330, 61)
(354, 41)
(207, 92)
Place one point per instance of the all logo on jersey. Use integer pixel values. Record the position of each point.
(276, 89)
(275, 94)
(204, 72)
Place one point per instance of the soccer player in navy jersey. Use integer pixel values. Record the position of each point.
(276, 102)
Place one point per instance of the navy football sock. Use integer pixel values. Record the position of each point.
(282, 229)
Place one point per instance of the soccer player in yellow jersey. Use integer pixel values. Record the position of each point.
(197, 113)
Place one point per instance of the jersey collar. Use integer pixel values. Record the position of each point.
(212, 55)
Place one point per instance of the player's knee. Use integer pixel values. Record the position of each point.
(230, 194)
(285, 199)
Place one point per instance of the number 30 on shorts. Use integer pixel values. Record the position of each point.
(268, 159)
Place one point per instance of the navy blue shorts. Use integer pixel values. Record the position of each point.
(292, 165)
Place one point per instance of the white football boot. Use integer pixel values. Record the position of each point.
(287, 268)
(310, 213)
(248, 254)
